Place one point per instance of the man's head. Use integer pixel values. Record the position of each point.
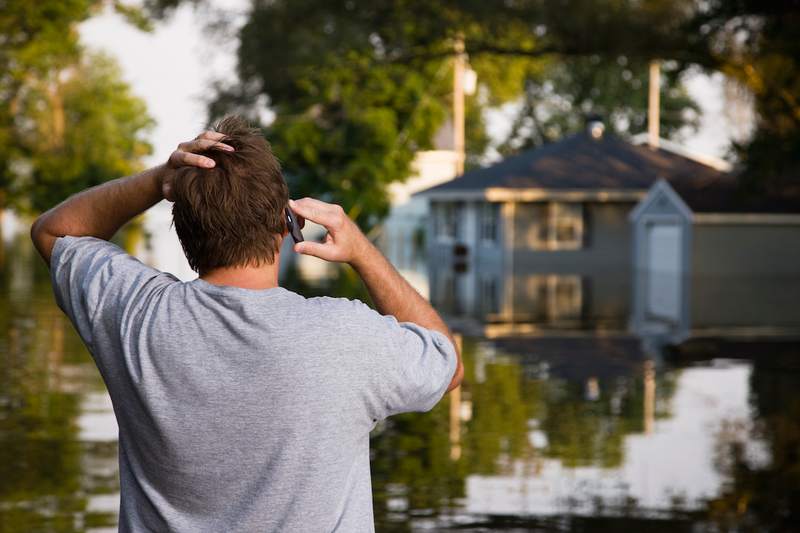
(232, 214)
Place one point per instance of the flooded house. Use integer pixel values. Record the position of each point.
(713, 263)
(542, 239)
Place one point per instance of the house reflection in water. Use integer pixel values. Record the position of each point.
(542, 239)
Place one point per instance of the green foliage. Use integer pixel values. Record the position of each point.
(44, 483)
(346, 125)
(101, 137)
(67, 120)
(557, 101)
(757, 45)
(561, 59)
(358, 87)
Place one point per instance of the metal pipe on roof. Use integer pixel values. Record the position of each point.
(654, 105)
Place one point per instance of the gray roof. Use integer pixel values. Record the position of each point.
(724, 195)
(581, 162)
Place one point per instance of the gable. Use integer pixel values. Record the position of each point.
(661, 199)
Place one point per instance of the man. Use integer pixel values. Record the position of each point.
(241, 406)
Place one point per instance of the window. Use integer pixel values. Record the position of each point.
(489, 214)
(554, 298)
(489, 295)
(564, 297)
(448, 220)
(559, 227)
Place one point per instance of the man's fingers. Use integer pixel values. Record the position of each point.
(193, 160)
(317, 249)
(199, 145)
(316, 211)
(211, 135)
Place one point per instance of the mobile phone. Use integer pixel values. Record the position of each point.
(293, 226)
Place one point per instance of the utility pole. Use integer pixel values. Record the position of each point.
(654, 105)
(458, 104)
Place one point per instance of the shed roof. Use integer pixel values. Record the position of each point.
(722, 194)
(582, 162)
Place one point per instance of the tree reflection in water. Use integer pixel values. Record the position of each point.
(47, 482)
(525, 405)
(762, 490)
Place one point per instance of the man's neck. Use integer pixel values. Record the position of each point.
(247, 277)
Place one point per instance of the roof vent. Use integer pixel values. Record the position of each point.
(595, 126)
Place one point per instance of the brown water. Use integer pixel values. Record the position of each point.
(563, 432)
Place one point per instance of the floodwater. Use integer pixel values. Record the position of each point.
(564, 432)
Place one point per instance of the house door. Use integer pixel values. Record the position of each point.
(664, 271)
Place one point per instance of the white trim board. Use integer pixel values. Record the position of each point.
(765, 219)
(503, 194)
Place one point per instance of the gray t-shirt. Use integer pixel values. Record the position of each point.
(242, 410)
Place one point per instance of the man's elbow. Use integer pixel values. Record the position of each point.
(458, 377)
(42, 239)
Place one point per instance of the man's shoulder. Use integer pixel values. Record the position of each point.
(92, 251)
(69, 246)
(335, 310)
(335, 303)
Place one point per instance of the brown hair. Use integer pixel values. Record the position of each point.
(231, 214)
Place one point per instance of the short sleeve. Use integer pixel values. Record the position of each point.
(411, 366)
(95, 280)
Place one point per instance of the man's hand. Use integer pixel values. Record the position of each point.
(185, 155)
(102, 210)
(344, 242)
(390, 292)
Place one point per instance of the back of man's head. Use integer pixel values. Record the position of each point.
(232, 214)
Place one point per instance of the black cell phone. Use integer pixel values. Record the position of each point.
(293, 226)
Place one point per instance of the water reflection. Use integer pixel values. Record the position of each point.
(52, 478)
(558, 432)
(667, 446)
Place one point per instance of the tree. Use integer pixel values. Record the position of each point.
(67, 120)
(358, 87)
(557, 101)
(339, 73)
(757, 44)
(90, 131)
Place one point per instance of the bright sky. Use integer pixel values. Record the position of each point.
(171, 67)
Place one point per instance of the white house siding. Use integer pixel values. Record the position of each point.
(457, 292)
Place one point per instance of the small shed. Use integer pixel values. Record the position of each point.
(711, 262)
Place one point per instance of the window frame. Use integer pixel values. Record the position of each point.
(557, 214)
(489, 223)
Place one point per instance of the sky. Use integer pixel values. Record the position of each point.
(171, 68)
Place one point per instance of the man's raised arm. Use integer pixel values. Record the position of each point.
(392, 294)
(102, 210)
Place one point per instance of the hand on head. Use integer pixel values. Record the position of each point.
(344, 242)
(186, 154)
